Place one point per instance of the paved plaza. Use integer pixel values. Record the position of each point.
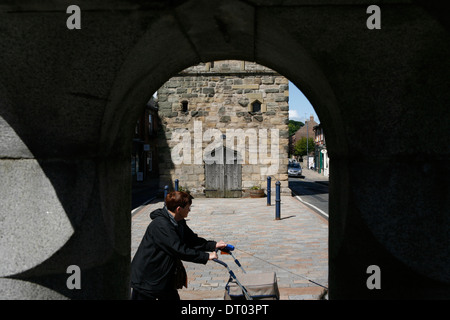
(295, 247)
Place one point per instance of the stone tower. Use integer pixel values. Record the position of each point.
(224, 128)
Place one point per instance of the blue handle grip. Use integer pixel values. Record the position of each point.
(228, 248)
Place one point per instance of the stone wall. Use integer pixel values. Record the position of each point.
(221, 95)
(69, 100)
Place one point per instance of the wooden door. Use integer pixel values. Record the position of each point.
(224, 180)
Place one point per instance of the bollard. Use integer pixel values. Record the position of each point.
(166, 191)
(277, 201)
(176, 184)
(268, 190)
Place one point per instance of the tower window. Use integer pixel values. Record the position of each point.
(184, 106)
(256, 106)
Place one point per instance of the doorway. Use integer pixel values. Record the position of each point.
(223, 176)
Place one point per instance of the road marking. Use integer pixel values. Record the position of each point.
(133, 212)
(313, 206)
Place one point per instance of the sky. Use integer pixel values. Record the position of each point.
(299, 106)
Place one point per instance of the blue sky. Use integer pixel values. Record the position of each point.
(299, 106)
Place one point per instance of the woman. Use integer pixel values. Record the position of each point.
(156, 270)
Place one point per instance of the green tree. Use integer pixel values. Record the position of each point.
(294, 126)
(300, 146)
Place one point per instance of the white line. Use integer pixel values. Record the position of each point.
(141, 206)
(309, 204)
(138, 208)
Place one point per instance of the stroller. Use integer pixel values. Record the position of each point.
(261, 286)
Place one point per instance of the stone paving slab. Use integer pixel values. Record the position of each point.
(295, 247)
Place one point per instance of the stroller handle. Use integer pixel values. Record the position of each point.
(220, 262)
(232, 275)
(227, 250)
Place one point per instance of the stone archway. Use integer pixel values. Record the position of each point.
(68, 104)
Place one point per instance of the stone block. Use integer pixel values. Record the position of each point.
(11, 145)
(13, 289)
(209, 91)
(246, 86)
(225, 119)
(34, 222)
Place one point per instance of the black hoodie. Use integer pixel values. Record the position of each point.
(165, 242)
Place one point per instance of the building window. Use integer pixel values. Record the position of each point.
(256, 106)
(184, 106)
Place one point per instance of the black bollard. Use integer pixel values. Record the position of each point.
(268, 190)
(176, 184)
(277, 201)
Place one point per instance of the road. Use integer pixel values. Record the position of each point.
(311, 192)
(143, 192)
(311, 189)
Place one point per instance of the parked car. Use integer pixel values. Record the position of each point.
(294, 170)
